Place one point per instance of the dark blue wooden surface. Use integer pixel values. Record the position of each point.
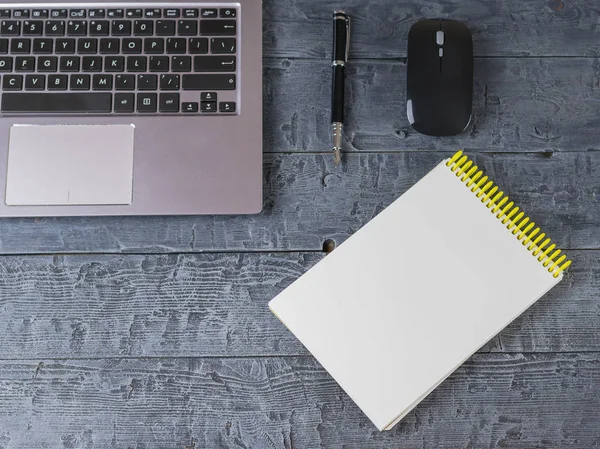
(154, 332)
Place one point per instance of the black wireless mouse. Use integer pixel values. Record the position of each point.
(440, 77)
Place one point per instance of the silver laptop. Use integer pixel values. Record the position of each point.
(130, 108)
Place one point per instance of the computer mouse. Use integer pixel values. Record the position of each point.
(440, 77)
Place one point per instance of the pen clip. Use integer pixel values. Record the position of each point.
(347, 37)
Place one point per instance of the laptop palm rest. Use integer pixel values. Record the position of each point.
(70, 165)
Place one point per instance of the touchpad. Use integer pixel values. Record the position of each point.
(55, 165)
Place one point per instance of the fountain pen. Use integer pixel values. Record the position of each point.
(341, 46)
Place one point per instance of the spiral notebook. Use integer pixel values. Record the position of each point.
(404, 302)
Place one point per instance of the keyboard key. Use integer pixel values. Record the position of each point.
(209, 13)
(58, 82)
(99, 28)
(6, 64)
(43, 46)
(40, 13)
(91, 64)
(121, 28)
(168, 102)
(154, 45)
(10, 28)
(47, 64)
(146, 102)
(69, 64)
(134, 13)
(4, 46)
(187, 28)
(33, 28)
(76, 28)
(214, 63)
(222, 45)
(228, 12)
(218, 27)
(198, 45)
(132, 46)
(59, 14)
(189, 107)
(20, 45)
(191, 13)
(110, 46)
(208, 106)
(159, 63)
(176, 45)
(55, 28)
(97, 13)
(209, 82)
(171, 13)
(208, 96)
(80, 82)
(147, 82)
(35, 82)
(165, 27)
(136, 63)
(143, 27)
(87, 46)
(152, 13)
(25, 64)
(21, 13)
(124, 103)
(114, 64)
(181, 63)
(227, 106)
(125, 82)
(116, 13)
(12, 82)
(77, 13)
(5, 13)
(90, 102)
(102, 82)
(170, 82)
(65, 46)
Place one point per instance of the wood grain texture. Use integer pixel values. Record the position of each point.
(308, 200)
(302, 28)
(493, 401)
(520, 105)
(216, 305)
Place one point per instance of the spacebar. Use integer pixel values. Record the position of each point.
(56, 102)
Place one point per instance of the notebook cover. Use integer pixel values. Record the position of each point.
(412, 295)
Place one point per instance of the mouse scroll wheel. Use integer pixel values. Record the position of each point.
(439, 37)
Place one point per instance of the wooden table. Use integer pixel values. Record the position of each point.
(155, 333)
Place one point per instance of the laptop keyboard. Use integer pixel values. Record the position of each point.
(119, 60)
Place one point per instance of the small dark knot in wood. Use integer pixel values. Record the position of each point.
(328, 246)
(556, 5)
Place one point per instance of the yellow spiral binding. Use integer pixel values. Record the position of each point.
(509, 215)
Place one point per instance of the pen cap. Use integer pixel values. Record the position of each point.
(341, 30)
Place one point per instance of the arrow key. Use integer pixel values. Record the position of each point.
(189, 107)
(208, 106)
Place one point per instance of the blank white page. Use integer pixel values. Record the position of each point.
(406, 300)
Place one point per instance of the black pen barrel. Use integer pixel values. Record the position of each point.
(337, 99)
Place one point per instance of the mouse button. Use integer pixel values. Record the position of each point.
(439, 37)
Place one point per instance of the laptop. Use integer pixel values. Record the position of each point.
(130, 108)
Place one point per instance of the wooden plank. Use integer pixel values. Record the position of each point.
(302, 28)
(519, 105)
(309, 200)
(216, 305)
(495, 401)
